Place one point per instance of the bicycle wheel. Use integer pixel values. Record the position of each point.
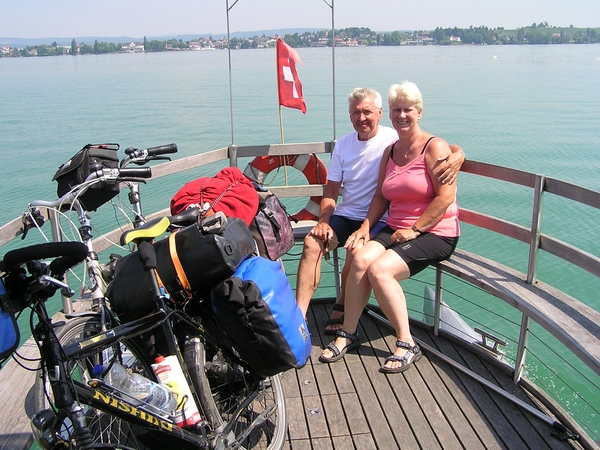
(104, 428)
(243, 409)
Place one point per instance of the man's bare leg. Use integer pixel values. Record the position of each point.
(309, 271)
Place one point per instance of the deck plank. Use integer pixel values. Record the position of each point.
(475, 424)
(350, 405)
(17, 401)
(401, 409)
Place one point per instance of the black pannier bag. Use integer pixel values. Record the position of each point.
(271, 226)
(258, 312)
(77, 169)
(208, 251)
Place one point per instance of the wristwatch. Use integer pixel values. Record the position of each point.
(416, 230)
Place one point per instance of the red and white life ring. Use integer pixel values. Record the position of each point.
(309, 164)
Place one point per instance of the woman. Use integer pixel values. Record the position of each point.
(422, 228)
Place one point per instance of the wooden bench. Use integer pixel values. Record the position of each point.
(573, 323)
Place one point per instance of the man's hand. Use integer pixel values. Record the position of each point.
(324, 232)
(450, 166)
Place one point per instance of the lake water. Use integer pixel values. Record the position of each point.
(533, 108)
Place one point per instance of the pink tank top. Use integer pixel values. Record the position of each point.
(409, 190)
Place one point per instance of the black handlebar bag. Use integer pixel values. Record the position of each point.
(90, 158)
(208, 252)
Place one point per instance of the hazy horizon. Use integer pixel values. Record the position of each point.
(39, 19)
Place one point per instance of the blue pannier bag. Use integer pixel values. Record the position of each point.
(9, 330)
(258, 312)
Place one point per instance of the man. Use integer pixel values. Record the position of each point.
(355, 164)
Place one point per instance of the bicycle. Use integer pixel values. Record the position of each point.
(100, 179)
(241, 410)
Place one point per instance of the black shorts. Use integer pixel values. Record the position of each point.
(426, 249)
(344, 227)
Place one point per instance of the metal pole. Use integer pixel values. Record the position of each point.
(536, 221)
(57, 237)
(332, 6)
(228, 8)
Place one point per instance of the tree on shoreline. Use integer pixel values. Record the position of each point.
(541, 33)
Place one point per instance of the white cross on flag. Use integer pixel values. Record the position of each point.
(290, 87)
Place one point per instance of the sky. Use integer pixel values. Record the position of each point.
(138, 18)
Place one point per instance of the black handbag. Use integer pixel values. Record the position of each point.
(75, 171)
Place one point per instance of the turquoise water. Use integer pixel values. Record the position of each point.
(533, 108)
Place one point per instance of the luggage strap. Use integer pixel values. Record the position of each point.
(185, 284)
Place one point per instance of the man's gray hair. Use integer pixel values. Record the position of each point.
(360, 93)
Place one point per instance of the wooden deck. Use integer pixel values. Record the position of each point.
(349, 404)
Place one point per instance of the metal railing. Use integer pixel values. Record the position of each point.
(532, 235)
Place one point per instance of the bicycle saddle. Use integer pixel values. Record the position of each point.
(150, 230)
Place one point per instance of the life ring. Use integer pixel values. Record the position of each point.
(309, 164)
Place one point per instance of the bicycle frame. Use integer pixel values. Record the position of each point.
(101, 398)
(98, 285)
(68, 393)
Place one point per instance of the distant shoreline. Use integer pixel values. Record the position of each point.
(349, 37)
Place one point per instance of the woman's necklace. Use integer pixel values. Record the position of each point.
(405, 154)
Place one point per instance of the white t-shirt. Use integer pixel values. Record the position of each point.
(356, 164)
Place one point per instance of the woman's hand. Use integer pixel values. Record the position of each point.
(403, 235)
(360, 236)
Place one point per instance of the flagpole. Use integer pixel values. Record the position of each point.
(228, 8)
(332, 6)
(281, 125)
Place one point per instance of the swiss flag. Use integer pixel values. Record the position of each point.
(290, 88)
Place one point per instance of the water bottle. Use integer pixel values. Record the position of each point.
(169, 372)
(141, 388)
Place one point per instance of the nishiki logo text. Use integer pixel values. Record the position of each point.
(125, 407)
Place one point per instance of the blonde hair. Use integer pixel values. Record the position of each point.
(407, 90)
(359, 93)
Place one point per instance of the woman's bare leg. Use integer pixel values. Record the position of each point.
(358, 291)
(384, 274)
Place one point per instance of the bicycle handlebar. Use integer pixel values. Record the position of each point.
(135, 172)
(67, 254)
(162, 149)
(105, 175)
(142, 156)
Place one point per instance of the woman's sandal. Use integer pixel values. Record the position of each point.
(339, 307)
(412, 355)
(337, 353)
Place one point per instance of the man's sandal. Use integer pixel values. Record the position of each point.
(412, 355)
(337, 353)
(339, 307)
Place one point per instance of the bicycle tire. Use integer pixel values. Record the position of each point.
(104, 428)
(229, 389)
